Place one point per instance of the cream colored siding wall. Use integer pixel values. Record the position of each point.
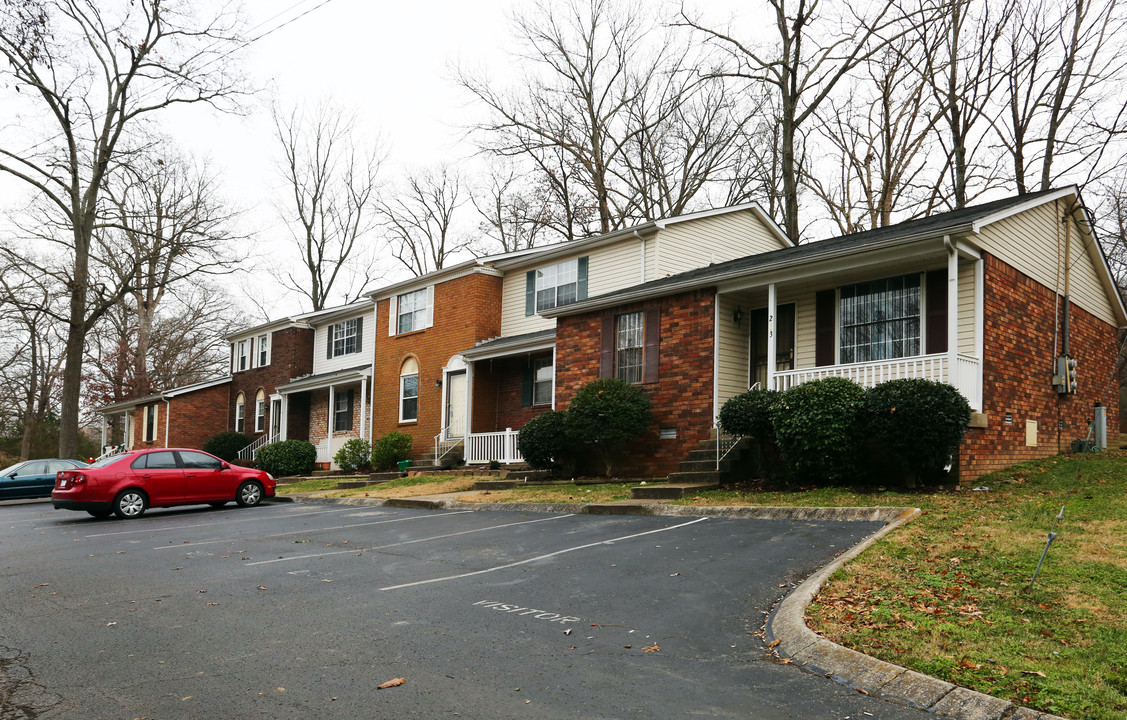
(513, 319)
(804, 345)
(321, 364)
(1029, 242)
(694, 244)
(733, 358)
(966, 307)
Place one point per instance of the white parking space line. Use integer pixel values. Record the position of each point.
(541, 557)
(354, 551)
(306, 531)
(199, 525)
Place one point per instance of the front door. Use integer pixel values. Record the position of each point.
(784, 344)
(456, 404)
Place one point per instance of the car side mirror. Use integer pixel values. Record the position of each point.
(225, 465)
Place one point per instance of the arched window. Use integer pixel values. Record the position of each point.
(409, 391)
(260, 411)
(240, 410)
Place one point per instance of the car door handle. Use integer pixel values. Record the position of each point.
(146, 477)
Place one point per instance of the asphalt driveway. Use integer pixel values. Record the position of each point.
(298, 611)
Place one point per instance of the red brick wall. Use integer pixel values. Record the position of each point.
(1018, 369)
(190, 418)
(466, 310)
(498, 393)
(291, 356)
(682, 396)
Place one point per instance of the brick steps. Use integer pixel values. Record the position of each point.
(697, 472)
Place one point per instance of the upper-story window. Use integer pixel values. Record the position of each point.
(880, 319)
(412, 311)
(554, 285)
(345, 338)
(242, 354)
(263, 350)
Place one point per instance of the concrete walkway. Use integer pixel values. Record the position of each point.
(786, 631)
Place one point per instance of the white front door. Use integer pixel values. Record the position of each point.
(456, 404)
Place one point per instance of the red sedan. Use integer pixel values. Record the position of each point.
(130, 483)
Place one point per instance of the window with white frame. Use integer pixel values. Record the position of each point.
(344, 338)
(240, 410)
(409, 391)
(542, 371)
(342, 411)
(242, 356)
(557, 284)
(263, 350)
(629, 340)
(411, 311)
(260, 412)
(880, 319)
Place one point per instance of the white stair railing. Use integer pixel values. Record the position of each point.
(251, 451)
(725, 442)
(443, 444)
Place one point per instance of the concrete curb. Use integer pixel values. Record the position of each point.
(787, 625)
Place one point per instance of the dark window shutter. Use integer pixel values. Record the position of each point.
(329, 343)
(606, 347)
(530, 293)
(652, 338)
(936, 341)
(359, 334)
(581, 283)
(825, 320)
(526, 384)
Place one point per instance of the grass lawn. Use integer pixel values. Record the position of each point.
(947, 594)
(400, 487)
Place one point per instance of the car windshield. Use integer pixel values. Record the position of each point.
(108, 460)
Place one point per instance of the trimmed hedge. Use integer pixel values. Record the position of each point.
(390, 449)
(353, 455)
(918, 423)
(819, 429)
(289, 457)
(543, 441)
(751, 414)
(605, 414)
(226, 445)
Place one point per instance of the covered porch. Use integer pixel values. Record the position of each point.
(509, 381)
(337, 407)
(913, 311)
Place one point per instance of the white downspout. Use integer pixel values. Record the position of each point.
(952, 311)
(167, 420)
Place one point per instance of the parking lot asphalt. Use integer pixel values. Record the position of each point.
(296, 610)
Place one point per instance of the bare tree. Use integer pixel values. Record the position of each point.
(84, 78)
(418, 222)
(516, 215)
(811, 55)
(1060, 63)
(331, 183)
(169, 225)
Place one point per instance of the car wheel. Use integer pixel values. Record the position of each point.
(100, 513)
(219, 504)
(130, 504)
(250, 494)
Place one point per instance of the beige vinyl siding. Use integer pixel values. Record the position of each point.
(1032, 241)
(697, 243)
(732, 359)
(804, 320)
(321, 364)
(967, 343)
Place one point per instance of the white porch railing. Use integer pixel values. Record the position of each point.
(499, 446)
(324, 453)
(967, 375)
(251, 451)
(110, 450)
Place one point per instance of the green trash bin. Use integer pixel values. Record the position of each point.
(403, 465)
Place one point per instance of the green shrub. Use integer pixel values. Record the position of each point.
(544, 444)
(750, 414)
(226, 445)
(390, 449)
(353, 455)
(918, 423)
(818, 427)
(605, 414)
(289, 457)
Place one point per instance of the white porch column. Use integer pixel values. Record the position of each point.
(363, 405)
(772, 340)
(952, 311)
(284, 420)
(468, 427)
(329, 425)
(103, 448)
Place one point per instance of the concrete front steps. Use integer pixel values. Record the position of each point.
(697, 472)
